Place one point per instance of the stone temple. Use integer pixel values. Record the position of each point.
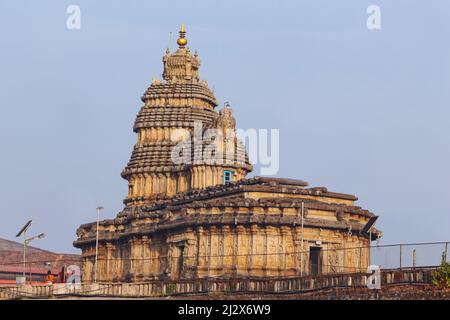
(191, 213)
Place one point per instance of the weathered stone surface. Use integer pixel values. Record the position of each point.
(396, 284)
(181, 221)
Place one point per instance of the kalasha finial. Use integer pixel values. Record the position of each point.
(182, 41)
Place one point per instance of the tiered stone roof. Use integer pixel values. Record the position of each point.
(173, 117)
(181, 90)
(154, 157)
(198, 207)
(176, 104)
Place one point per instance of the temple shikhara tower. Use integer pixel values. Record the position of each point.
(190, 211)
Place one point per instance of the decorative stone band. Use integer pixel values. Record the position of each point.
(180, 91)
(228, 205)
(273, 185)
(217, 220)
(173, 168)
(182, 117)
(157, 157)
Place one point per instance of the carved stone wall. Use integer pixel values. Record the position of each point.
(182, 220)
(227, 251)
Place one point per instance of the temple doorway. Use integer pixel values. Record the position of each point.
(176, 261)
(315, 265)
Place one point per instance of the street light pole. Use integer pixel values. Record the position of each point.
(303, 238)
(96, 243)
(24, 252)
(25, 244)
(370, 246)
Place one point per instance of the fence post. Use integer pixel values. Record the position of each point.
(401, 256)
(445, 252)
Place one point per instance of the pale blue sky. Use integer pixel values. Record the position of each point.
(359, 111)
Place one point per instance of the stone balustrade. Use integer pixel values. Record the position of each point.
(237, 286)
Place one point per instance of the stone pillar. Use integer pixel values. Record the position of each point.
(254, 256)
(178, 182)
(110, 261)
(159, 133)
(194, 178)
(169, 188)
(202, 244)
(213, 251)
(284, 234)
(143, 185)
(148, 185)
(298, 249)
(88, 264)
(242, 250)
(118, 274)
(155, 263)
(161, 183)
(145, 247)
(267, 253)
(154, 135)
(202, 177)
(154, 183)
(134, 257)
(270, 250)
(227, 248)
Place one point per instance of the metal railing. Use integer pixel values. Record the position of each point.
(409, 255)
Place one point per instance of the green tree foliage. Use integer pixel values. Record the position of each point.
(441, 277)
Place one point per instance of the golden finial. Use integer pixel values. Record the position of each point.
(182, 41)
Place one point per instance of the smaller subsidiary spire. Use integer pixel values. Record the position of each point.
(182, 41)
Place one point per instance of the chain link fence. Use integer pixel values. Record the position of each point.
(392, 256)
(411, 255)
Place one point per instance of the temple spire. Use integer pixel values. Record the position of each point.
(182, 41)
